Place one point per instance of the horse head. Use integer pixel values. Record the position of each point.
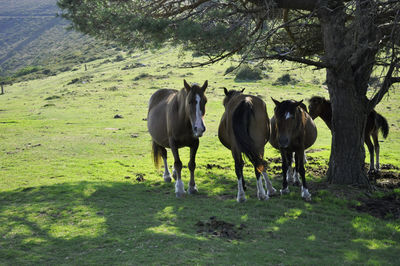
(195, 106)
(315, 106)
(287, 117)
(229, 94)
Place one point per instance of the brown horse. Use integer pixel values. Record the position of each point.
(244, 128)
(175, 120)
(292, 131)
(321, 107)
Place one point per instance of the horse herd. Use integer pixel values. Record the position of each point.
(175, 120)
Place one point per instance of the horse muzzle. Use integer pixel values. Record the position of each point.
(283, 142)
(198, 131)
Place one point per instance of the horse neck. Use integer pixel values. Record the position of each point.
(181, 102)
(326, 113)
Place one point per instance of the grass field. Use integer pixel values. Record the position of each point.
(78, 186)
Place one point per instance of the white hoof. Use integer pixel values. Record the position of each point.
(241, 198)
(271, 192)
(305, 194)
(285, 191)
(167, 177)
(179, 188)
(262, 196)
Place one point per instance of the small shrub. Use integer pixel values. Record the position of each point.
(119, 58)
(247, 73)
(26, 70)
(142, 76)
(52, 97)
(229, 70)
(285, 80)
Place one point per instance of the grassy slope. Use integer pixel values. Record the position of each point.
(68, 189)
(31, 34)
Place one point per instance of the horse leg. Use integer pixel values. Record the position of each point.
(271, 191)
(167, 174)
(192, 165)
(286, 161)
(241, 197)
(376, 146)
(179, 186)
(296, 172)
(290, 173)
(260, 187)
(371, 153)
(304, 188)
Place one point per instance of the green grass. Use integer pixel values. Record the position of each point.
(68, 169)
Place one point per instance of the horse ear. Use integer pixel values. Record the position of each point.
(275, 101)
(204, 87)
(242, 90)
(187, 86)
(299, 103)
(225, 91)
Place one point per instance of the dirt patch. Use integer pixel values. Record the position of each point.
(387, 178)
(387, 207)
(215, 228)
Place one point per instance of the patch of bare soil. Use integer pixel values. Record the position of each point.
(387, 178)
(215, 228)
(387, 207)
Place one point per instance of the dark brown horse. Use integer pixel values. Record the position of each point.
(321, 107)
(244, 129)
(292, 131)
(175, 120)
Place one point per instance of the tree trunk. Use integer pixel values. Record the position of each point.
(349, 104)
(2, 89)
(349, 115)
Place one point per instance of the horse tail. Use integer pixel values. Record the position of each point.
(382, 124)
(156, 154)
(240, 125)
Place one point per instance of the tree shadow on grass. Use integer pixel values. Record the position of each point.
(143, 223)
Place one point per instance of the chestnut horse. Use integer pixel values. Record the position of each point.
(244, 128)
(321, 107)
(292, 131)
(175, 120)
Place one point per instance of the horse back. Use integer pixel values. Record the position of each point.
(160, 97)
(258, 124)
(157, 115)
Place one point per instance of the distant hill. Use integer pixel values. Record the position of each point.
(32, 35)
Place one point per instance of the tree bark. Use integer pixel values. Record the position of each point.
(349, 104)
(349, 115)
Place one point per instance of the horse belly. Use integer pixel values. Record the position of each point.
(157, 126)
(311, 134)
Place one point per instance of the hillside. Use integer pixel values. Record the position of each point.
(32, 34)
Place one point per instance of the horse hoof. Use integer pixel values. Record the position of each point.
(180, 194)
(305, 194)
(193, 190)
(285, 191)
(308, 199)
(167, 178)
(241, 200)
(263, 197)
(272, 192)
